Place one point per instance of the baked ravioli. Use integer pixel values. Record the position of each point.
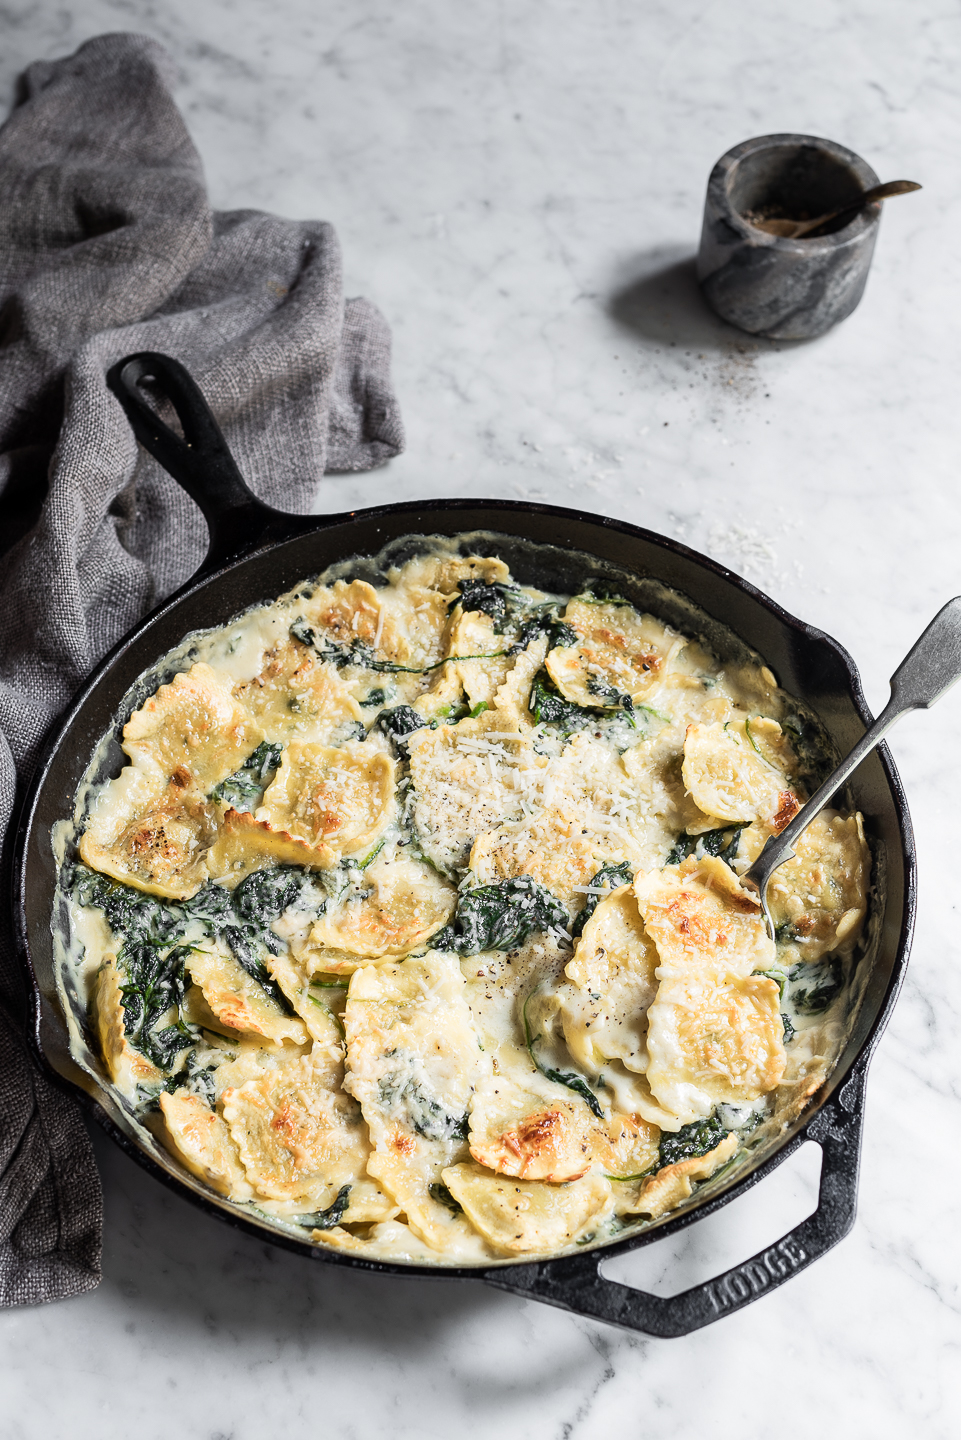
(414, 920)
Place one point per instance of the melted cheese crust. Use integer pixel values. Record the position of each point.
(312, 804)
(736, 771)
(299, 1135)
(407, 903)
(617, 650)
(338, 799)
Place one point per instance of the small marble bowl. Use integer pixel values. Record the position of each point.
(766, 285)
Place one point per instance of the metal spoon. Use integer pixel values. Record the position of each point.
(926, 673)
(794, 229)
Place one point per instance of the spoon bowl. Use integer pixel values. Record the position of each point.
(797, 229)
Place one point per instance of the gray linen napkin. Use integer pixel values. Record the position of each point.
(108, 246)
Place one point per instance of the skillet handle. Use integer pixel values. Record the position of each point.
(201, 461)
(576, 1284)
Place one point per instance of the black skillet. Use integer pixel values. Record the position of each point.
(255, 554)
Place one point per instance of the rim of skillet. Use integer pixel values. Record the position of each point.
(302, 526)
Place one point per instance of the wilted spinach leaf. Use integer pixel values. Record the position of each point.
(613, 874)
(360, 653)
(327, 1219)
(402, 1092)
(439, 1192)
(546, 623)
(723, 843)
(196, 1079)
(356, 653)
(691, 1140)
(488, 599)
(130, 913)
(244, 788)
(548, 706)
(154, 984)
(242, 940)
(212, 905)
(562, 634)
(609, 697)
(807, 740)
(266, 894)
(376, 697)
(813, 988)
(500, 917)
(560, 1077)
(510, 610)
(147, 927)
(398, 723)
(598, 592)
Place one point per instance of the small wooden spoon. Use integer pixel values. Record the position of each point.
(794, 229)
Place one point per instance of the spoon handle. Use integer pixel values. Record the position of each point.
(929, 669)
(883, 192)
(877, 192)
(797, 229)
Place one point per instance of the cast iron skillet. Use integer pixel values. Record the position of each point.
(255, 554)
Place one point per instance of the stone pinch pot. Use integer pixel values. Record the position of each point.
(766, 284)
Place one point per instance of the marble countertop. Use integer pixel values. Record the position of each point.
(519, 188)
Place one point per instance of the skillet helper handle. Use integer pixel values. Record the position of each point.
(200, 461)
(576, 1284)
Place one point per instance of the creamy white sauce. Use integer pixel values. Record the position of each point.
(237, 651)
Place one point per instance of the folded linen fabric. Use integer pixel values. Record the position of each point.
(108, 246)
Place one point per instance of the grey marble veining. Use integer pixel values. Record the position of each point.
(520, 189)
(786, 289)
